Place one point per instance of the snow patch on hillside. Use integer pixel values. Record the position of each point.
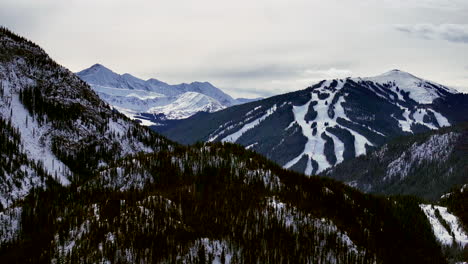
(214, 251)
(292, 218)
(437, 147)
(416, 116)
(15, 188)
(10, 224)
(235, 136)
(35, 138)
(454, 233)
(442, 120)
(121, 179)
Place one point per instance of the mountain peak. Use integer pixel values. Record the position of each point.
(398, 73)
(418, 89)
(202, 83)
(99, 66)
(94, 69)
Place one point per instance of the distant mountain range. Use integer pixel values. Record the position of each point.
(332, 121)
(153, 102)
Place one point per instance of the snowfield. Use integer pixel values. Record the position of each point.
(454, 233)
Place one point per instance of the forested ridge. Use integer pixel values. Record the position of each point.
(220, 192)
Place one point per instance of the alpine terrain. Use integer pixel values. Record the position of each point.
(332, 121)
(82, 183)
(153, 102)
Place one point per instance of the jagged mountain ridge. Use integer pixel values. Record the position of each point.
(102, 76)
(426, 165)
(153, 101)
(134, 197)
(332, 121)
(248, 100)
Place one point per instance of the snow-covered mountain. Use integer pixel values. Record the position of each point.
(332, 121)
(402, 83)
(157, 100)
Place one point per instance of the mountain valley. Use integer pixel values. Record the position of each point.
(83, 183)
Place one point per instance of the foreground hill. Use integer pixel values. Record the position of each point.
(115, 192)
(53, 125)
(332, 121)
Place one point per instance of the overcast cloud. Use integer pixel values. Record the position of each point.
(449, 32)
(251, 48)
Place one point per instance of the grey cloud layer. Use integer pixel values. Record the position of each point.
(449, 32)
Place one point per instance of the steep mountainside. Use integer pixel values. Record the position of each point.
(154, 102)
(54, 126)
(121, 194)
(427, 165)
(332, 121)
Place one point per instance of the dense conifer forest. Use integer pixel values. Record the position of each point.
(223, 193)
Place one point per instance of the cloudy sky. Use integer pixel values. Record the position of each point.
(251, 47)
